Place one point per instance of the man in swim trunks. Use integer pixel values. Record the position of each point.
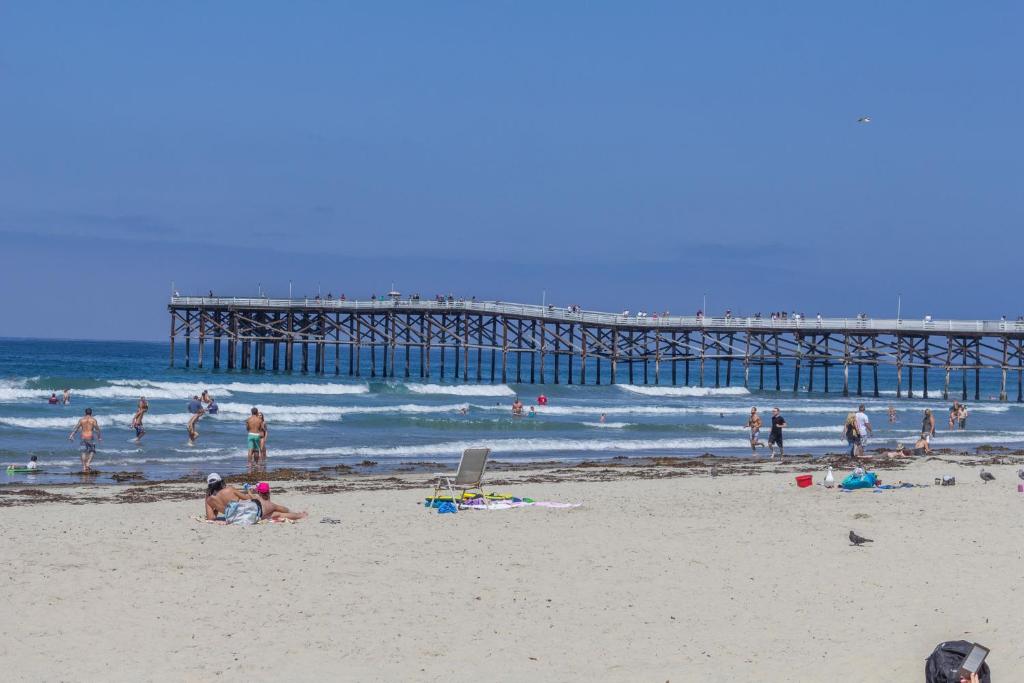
(775, 436)
(254, 426)
(272, 510)
(67, 396)
(195, 407)
(90, 430)
(140, 412)
(755, 428)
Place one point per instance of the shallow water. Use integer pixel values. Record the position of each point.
(317, 421)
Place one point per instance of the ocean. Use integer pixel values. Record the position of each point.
(317, 421)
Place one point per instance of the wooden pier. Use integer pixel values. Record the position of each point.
(501, 342)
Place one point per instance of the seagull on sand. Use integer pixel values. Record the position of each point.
(858, 540)
(864, 119)
(987, 476)
(1020, 473)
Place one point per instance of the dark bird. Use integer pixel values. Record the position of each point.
(987, 476)
(864, 119)
(858, 540)
(1020, 473)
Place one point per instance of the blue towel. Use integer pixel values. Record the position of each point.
(446, 507)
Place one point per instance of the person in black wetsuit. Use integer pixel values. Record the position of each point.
(775, 436)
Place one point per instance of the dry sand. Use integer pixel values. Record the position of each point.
(692, 578)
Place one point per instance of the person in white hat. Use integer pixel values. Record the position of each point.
(219, 496)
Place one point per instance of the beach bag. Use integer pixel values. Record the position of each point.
(863, 481)
(242, 513)
(943, 666)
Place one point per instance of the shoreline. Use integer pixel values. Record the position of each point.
(418, 475)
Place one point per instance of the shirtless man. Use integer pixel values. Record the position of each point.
(140, 412)
(90, 430)
(195, 406)
(67, 396)
(219, 495)
(754, 423)
(272, 510)
(254, 427)
(517, 408)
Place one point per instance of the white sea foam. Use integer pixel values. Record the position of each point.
(461, 390)
(186, 389)
(684, 391)
(607, 425)
(506, 448)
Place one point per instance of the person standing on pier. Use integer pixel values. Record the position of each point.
(90, 430)
(253, 427)
(775, 436)
(754, 423)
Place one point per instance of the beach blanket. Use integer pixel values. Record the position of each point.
(220, 521)
(509, 504)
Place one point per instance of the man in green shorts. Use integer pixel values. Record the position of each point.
(254, 426)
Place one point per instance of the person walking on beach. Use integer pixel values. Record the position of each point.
(754, 423)
(90, 430)
(775, 435)
(863, 426)
(927, 429)
(140, 412)
(253, 427)
(195, 406)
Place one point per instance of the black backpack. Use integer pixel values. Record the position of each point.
(943, 666)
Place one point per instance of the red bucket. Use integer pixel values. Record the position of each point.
(804, 480)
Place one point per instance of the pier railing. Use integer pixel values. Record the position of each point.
(653, 321)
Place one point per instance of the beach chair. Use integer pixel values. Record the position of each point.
(471, 471)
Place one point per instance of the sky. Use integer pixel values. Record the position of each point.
(611, 155)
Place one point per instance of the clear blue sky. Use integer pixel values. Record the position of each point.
(617, 155)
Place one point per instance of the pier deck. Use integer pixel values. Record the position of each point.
(492, 341)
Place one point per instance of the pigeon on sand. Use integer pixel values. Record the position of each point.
(859, 540)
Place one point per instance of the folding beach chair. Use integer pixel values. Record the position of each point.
(471, 471)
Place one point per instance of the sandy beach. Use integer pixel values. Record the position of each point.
(663, 573)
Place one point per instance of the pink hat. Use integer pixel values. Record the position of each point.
(263, 487)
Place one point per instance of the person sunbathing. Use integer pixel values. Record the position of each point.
(219, 495)
(272, 510)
